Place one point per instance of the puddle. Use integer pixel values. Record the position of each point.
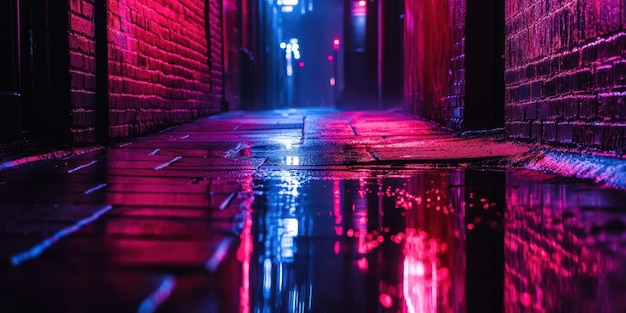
(432, 241)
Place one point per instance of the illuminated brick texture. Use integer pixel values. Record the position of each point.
(566, 72)
(434, 77)
(158, 69)
(82, 53)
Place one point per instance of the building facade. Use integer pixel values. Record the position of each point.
(86, 72)
(547, 71)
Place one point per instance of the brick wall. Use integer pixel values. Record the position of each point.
(216, 51)
(159, 71)
(434, 60)
(82, 54)
(566, 72)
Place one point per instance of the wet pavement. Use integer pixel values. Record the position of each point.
(306, 211)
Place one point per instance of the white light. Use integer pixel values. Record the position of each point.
(290, 2)
(293, 160)
(293, 40)
(267, 275)
(287, 9)
(291, 227)
(283, 45)
(296, 55)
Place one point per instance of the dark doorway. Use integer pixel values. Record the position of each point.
(484, 64)
(35, 111)
(10, 73)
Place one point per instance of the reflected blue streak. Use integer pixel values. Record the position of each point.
(164, 165)
(218, 256)
(90, 190)
(81, 167)
(159, 296)
(41, 247)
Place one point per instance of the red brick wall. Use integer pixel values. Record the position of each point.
(159, 71)
(566, 72)
(434, 60)
(82, 54)
(216, 52)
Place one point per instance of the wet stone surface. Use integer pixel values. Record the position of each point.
(302, 211)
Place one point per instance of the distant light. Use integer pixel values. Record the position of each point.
(332, 81)
(283, 45)
(301, 64)
(290, 227)
(362, 3)
(287, 9)
(330, 58)
(290, 2)
(336, 43)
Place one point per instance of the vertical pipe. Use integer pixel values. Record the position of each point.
(379, 70)
(102, 72)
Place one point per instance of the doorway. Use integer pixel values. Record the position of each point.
(10, 73)
(35, 106)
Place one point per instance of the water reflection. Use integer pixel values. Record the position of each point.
(431, 241)
(564, 247)
(365, 245)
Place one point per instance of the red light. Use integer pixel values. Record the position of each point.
(301, 64)
(330, 58)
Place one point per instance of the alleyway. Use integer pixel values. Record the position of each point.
(306, 211)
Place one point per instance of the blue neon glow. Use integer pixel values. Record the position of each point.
(37, 250)
(152, 302)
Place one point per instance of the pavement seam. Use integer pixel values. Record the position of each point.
(353, 128)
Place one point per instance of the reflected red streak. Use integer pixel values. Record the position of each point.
(337, 209)
(420, 272)
(244, 254)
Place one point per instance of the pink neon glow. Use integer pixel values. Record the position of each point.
(244, 254)
(385, 300)
(362, 3)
